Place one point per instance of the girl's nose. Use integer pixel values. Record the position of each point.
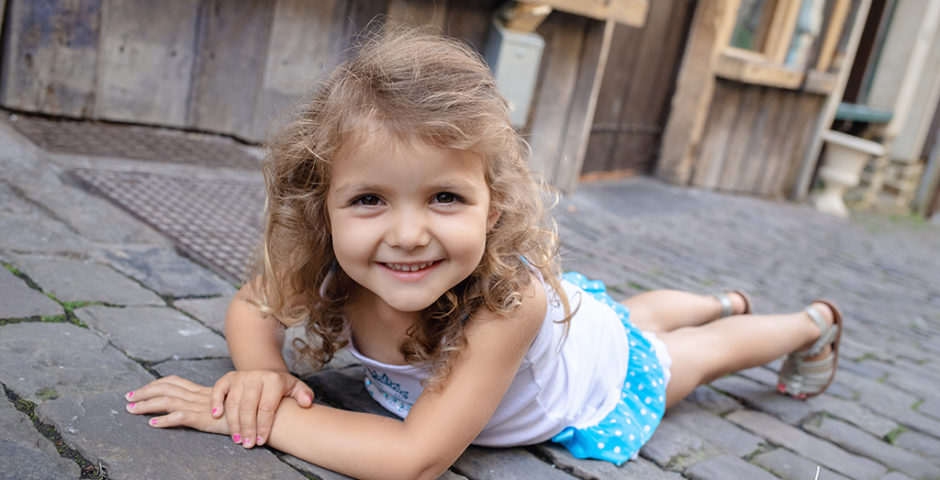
(409, 231)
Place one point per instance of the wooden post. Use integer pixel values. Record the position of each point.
(801, 189)
(710, 33)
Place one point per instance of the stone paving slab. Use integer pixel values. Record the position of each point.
(43, 361)
(855, 440)
(824, 453)
(153, 334)
(791, 466)
(27, 455)
(727, 466)
(129, 448)
(73, 280)
(167, 273)
(18, 300)
(209, 311)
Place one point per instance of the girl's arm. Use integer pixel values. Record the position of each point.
(249, 397)
(439, 426)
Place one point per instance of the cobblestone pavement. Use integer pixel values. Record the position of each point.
(94, 302)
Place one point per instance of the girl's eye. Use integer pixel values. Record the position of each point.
(368, 200)
(446, 198)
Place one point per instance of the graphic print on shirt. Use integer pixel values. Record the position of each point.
(385, 391)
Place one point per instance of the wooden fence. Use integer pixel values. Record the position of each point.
(229, 66)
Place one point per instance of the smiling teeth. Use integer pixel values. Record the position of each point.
(408, 268)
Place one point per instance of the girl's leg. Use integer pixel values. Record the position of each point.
(666, 310)
(703, 353)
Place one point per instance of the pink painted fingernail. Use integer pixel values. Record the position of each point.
(237, 438)
(153, 421)
(259, 440)
(214, 410)
(131, 405)
(130, 395)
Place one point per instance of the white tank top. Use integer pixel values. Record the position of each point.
(575, 383)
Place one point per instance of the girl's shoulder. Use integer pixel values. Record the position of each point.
(526, 320)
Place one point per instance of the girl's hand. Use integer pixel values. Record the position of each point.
(249, 399)
(184, 403)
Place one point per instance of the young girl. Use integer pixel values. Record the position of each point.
(402, 224)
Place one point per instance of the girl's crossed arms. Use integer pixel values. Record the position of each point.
(439, 427)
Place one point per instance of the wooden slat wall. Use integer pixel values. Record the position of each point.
(637, 89)
(754, 139)
(50, 56)
(229, 66)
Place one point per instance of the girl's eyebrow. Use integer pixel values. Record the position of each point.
(356, 187)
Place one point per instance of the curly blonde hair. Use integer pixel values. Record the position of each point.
(419, 87)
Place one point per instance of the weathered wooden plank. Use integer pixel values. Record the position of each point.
(763, 135)
(583, 102)
(564, 35)
(229, 64)
(810, 109)
(711, 30)
(470, 21)
(417, 12)
(634, 149)
(304, 42)
(719, 128)
(740, 135)
(611, 100)
(145, 61)
(771, 178)
(363, 17)
(629, 12)
(50, 55)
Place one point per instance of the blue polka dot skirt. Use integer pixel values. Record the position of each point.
(621, 434)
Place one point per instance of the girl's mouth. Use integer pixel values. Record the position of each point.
(409, 267)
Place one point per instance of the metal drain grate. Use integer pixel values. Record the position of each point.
(216, 221)
(133, 142)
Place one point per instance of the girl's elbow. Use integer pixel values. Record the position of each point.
(419, 466)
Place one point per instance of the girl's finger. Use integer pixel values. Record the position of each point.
(219, 391)
(302, 394)
(231, 402)
(160, 383)
(270, 400)
(248, 412)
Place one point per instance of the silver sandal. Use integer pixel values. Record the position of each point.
(725, 301)
(803, 379)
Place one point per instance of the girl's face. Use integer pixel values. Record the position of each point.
(408, 221)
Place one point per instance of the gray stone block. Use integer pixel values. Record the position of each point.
(791, 466)
(675, 447)
(727, 466)
(722, 433)
(203, 372)
(765, 398)
(209, 311)
(27, 455)
(41, 361)
(925, 445)
(931, 405)
(100, 428)
(72, 280)
(635, 469)
(167, 273)
(895, 476)
(855, 440)
(819, 451)
(26, 228)
(17, 300)
(713, 401)
(153, 334)
(855, 414)
(481, 463)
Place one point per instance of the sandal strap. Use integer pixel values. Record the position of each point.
(725, 302)
(827, 333)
